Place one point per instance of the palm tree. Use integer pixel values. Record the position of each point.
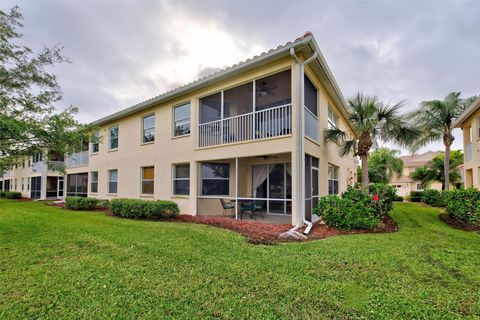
(434, 170)
(435, 119)
(383, 164)
(371, 120)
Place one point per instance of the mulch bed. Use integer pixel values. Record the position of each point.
(267, 233)
(459, 224)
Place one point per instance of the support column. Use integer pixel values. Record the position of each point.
(236, 187)
(193, 187)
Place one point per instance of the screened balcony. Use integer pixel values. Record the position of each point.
(256, 110)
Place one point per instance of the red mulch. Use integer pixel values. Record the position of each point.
(459, 224)
(267, 233)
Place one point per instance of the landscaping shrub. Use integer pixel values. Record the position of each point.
(463, 205)
(398, 199)
(351, 212)
(433, 198)
(10, 195)
(134, 208)
(386, 193)
(103, 204)
(416, 196)
(81, 203)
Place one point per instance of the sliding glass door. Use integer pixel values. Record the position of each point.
(272, 187)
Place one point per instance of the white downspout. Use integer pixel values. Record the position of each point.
(300, 146)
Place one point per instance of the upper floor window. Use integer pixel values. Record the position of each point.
(478, 128)
(37, 157)
(332, 179)
(310, 96)
(95, 142)
(148, 128)
(113, 139)
(181, 120)
(332, 119)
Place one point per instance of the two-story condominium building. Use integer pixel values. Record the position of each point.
(469, 122)
(404, 183)
(35, 178)
(251, 135)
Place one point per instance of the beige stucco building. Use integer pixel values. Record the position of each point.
(469, 122)
(404, 183)
(34, 178)
(250, 135)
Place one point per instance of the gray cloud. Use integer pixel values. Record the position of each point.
(127, 51)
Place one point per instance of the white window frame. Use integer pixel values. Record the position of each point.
(94, 181)
(333, 179)
(421, 187)
(96, 136)
(23, 183)
(150, 128)
(110, 181)
(110, 137)
(142, 180)
(174, 178)
(182, 120)
(332, 123)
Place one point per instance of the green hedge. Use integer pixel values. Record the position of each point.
(433, 197)
(136, 209)
(416, 196)
(463, 205)
(398, 199)
(10, 195)
(81, 203)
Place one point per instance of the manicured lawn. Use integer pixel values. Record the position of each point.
(60, 264)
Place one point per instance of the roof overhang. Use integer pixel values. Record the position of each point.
(458, 123)
(305, 45)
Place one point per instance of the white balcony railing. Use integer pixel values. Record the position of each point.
(77, 159)
(40, 166)
(272, 122)
(311, 125)
(468, 152)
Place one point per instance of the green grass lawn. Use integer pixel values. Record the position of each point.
(62, 264)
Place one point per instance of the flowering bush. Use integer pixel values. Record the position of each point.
(355, 209)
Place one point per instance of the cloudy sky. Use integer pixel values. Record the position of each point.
(124, 52)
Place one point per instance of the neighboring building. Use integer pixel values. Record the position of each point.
(34, 178)
(252, 133)
(469, 122)
(405, 184)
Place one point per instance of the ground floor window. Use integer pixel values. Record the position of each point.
(272, 185)
(94, 181)
(215, 179)
(148, 180)
(112, 181)
(181, 179)
(23, 183)
(419, 186)
(77, 184)
(332, 179)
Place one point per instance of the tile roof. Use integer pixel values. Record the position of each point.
(302, 40)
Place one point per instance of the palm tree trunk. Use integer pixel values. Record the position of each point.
(446, 167)
(364, 159)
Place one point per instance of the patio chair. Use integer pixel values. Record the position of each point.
(227, 206)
